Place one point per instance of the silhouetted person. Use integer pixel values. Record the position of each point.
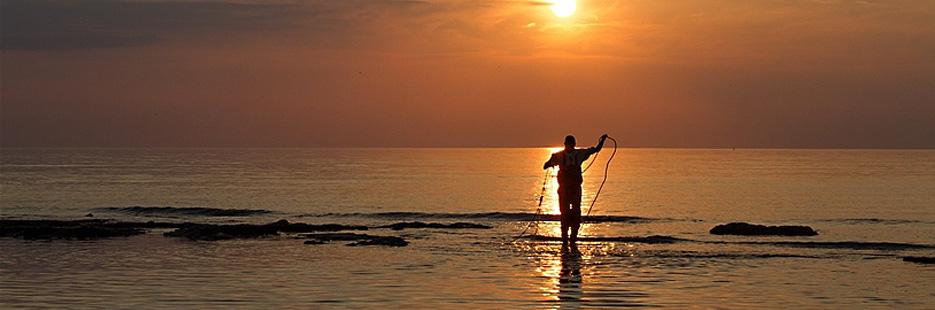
(569, 163)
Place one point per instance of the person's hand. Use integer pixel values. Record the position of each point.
(604, 136)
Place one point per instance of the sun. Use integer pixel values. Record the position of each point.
(563, 8)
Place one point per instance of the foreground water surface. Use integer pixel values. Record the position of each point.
(871, 207)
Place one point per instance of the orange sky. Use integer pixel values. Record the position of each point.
(467, 73)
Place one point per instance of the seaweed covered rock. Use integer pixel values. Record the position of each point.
(285, 226)
(338, 236)
(102, 228)
(360, 239)
(68, 230)
(919, 259)
(747, 229)
(211, 232)
(386, 241)
(458, 225)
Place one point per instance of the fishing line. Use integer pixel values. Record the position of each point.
(535, 221)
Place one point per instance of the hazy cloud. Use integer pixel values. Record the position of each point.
(80, 24)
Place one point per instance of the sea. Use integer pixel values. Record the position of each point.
(871, 209)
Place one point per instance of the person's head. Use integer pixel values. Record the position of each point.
(569, 142)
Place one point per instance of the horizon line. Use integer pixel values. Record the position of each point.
(469, 147)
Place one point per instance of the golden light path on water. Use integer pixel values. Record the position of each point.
(565, 271)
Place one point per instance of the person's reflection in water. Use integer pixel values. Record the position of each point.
(569, 279)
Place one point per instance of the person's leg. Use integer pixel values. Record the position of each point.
(575, 217)
(574, 212)
(563, 209)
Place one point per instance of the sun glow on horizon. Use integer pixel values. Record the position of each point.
(563, 8)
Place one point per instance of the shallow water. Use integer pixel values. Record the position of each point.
(856, 199)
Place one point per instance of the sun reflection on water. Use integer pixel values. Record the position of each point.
(565, 270)
(549, 267)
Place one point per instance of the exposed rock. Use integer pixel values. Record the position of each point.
(102, 228)
(285, 226)
(279, 223)
(89, 215)
(210, 232)
(55, 229)
(387, 241)
(919, 259)
(339, 236)
(361, 239)
(746, 229)
(458, 225)
(149, 224)
(314, 242)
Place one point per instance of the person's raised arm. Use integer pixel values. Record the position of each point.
(600, 144)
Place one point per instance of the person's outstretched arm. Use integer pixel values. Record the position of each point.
(600, 144)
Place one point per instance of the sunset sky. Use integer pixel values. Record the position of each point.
(685, 73)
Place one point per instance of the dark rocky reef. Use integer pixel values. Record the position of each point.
(68, 230)
(655, 239)
(285, 226)
(88, 229)
(458, 225)
(383, 240)
(213, 232)
(747, 229)
(359, 239)
(919, 259)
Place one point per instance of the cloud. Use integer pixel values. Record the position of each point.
(688, 32)
(84, 24)
(454, 27)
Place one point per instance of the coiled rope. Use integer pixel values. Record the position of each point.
(606, 168)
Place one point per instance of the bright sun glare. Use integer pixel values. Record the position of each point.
(563, 8)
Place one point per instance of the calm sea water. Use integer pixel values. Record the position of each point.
(856, 199)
